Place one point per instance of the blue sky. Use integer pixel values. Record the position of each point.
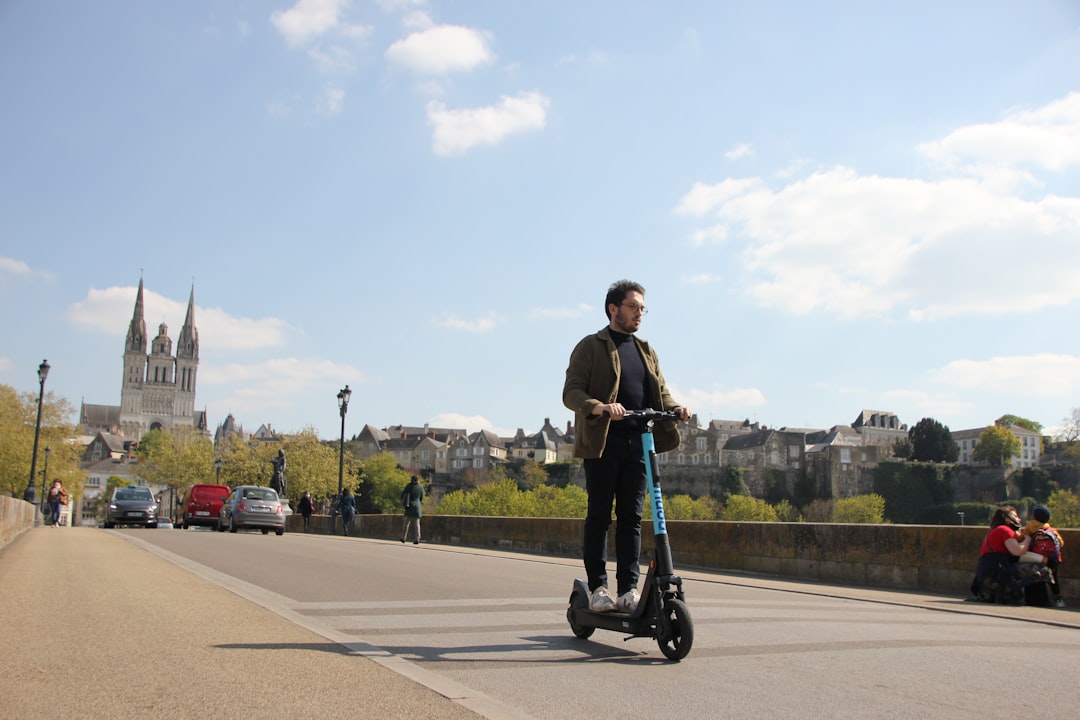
(832, 206)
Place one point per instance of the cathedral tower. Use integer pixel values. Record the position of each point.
(159, 389)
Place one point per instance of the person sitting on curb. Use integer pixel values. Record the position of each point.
(1046, 542)
(997, 557)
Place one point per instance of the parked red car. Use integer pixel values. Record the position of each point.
(201, 504)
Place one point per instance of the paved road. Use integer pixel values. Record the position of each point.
(485, 631)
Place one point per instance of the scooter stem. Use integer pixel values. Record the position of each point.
(664, 567)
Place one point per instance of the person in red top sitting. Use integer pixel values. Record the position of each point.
(1001, 546)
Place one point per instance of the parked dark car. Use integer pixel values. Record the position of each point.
(201, 505)
(131, 505)
(252, 507)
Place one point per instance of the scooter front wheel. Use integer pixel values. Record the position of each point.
(578, 601)
(675, 630)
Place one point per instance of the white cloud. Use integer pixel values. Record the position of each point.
(441, 49)
(864, 245)
(1041, 375)
(480, 325)
(732, 404)
(456, 131)
(5, 364)
(307, 20)
(18, 268)
(273, 386)
(9, 266)
(911, 406)
(471, 423)
(1047, 137)
(331, 100)
(108, 312)
(740, 151)
(334, 60)
(563, 312)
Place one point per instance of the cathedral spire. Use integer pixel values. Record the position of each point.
(136, 336)
(188, 344)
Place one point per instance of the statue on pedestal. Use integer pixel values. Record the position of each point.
(278, 481)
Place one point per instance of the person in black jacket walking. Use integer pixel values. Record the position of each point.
(306, 508)
(412, 498)
(347, 508)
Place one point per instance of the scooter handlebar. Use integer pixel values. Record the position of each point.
(648, 414)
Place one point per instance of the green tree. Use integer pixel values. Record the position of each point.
(381, 483)
(555, 502)
(903, 449)
(242, 464)
(533, 475)
(18, 418)
(176, 458)
(732, 483)
(1064, 509)
(786, 512)
(1007, 420)
(863, 509)
(932, 442)
(312, 465)
(997, 445)
(744, 508)
(684, 507)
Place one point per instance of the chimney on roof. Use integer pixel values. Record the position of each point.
(569, 427)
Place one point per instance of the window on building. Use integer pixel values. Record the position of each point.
(702, 443)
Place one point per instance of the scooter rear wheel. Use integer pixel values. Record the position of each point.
(578, 602)
(675, 630)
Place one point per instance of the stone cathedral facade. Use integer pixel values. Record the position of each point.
(159, 387)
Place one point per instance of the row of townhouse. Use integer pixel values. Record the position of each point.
(453, 451)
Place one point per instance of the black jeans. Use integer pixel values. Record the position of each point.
(617, 476)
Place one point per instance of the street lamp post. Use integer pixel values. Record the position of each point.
(343, 406)
(217, 469)
(30, 495)
(45, 480)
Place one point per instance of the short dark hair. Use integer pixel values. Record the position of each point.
(617, 293)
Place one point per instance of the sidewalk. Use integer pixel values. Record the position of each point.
(96, 627)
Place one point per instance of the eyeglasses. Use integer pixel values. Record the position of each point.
(634, 307)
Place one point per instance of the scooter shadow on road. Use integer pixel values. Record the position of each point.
(520, 653)
(585, 651)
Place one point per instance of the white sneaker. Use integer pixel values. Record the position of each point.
(601, 600)
(628, 601)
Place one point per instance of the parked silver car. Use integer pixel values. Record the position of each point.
(131, 505)
(250, 507)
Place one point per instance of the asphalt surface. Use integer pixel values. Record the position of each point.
(95, 626)
(103, 624)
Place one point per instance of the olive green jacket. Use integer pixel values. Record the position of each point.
(592, 378)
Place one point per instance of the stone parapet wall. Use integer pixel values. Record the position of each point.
(15, 516)
(927, 558)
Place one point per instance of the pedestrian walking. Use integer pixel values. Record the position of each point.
(412, 499)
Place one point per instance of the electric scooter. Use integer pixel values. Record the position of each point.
(662, 613)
